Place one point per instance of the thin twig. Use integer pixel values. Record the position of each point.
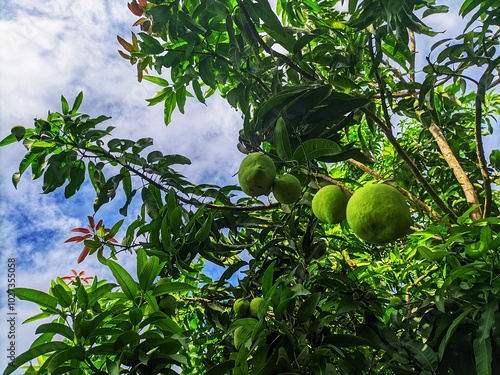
(333, 181)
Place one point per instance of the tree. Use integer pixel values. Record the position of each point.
(333, 97)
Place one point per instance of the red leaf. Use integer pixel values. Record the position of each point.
(78, 238)
(113, 240)
(67, 278)
(143, 3)
(91, 222)
(81, 230)
(135, 8)
(83, 254)
(99, 224)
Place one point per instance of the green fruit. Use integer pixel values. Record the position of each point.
(329, 204)
(396, 302)
(378, 214)
(168, 304)
(255, 305)
(241, 306)
(240, 335)
(287, 189)
(256, 174)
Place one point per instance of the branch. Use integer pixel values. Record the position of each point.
(332, 181)
(480, 151)
(268, 49)
(454, 164)
(422, 205)
(413, 50)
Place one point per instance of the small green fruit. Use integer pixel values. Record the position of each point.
(378, 214)
(287, 189)
(329, 204)
(168, 304)
(241, 306)
(396, 302)
(256, 174)
(255, 305)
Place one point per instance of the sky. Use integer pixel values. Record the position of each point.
(62, 47)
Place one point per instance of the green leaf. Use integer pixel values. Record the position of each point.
(40, 298)
(423, 353)
(487, 319)
(172, 287)
(221, 368)
(127, 283)
(32, 353)
(282, 140)
(149, 272)
(64, 105)
(306, 310)
(72, 353)
(314, 149)
(268, 279)
(100, 291)
(483, 356)
(57, 328)
(11, 138)
(157, 80)
(63, 296)
(77, 103)
(451, 330)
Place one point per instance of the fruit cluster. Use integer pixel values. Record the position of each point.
(257, 176)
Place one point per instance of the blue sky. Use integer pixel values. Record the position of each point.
(62, 47)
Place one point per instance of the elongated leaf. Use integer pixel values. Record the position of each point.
(72, 353)
(482, 356)
(221, 368)
(99, 292)
(172, 287)
(62, 295)
(314, 149)
(451, 330)
(127, 283)
(306, 310)
(57, 328)
(424, 354)
(40, 298)
(32, 354)
(487, 318)
(267, 279)
(149, 272)
(282, 140)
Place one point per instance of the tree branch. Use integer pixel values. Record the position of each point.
(332, 181)
(456, 168)
(422, 205)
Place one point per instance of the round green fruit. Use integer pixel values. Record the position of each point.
(256, 174)
(241, 306)
(329, 204)
(378, 214)
(255, 305)
(168, 304)
(396, 302)
(287, 189)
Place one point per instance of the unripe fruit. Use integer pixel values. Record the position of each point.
(287, 189)
(329, 204)
(396, 302)
(241, 306)
(256, 174)
(168, 304)
(240, 335)
(254, 306)
(378, 214)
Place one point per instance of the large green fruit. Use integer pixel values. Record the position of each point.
(378, 214)
(329, 204)
(256, 174)
(241, 306)
(255, 305)
(287, 189)
(168, 304)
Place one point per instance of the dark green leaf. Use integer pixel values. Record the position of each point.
(127, 283)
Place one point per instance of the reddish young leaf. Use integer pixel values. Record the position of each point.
(143, 3)
(78, 238)
(99, 225)
(83, 254)
(135, 8)
(81, 230)
(113, 240)
(91, 222)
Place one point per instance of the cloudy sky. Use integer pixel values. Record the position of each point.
(62, 47)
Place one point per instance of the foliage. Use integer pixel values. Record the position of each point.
(318, 89)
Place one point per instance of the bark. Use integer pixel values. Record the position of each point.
(454, 164)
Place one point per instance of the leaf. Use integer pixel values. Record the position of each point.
(221, 368)
(76, 104)
(451, 330)
(57, 328)
(482, 356)
(314, 149)
(423, 353)
(487, 319)
(40, 298)
(306, 310)
(149, 272)
(267, 279)
(33, 353)
(127, 283)
(72, 353)
(172, 287)
(62, 295)
(282, 140)
(11, 138)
